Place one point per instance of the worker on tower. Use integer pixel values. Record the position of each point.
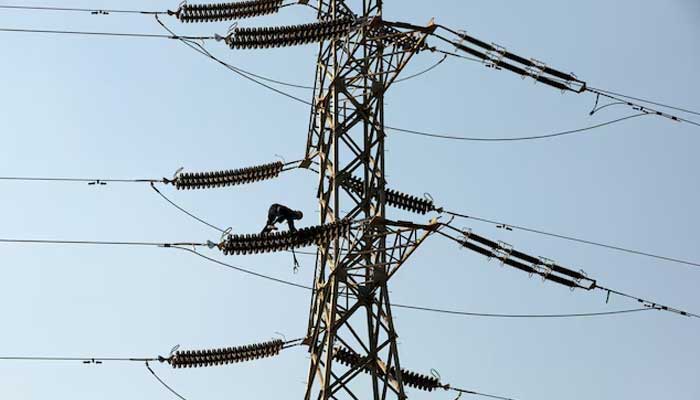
(279, 213)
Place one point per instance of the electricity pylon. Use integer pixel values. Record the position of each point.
(350, 308)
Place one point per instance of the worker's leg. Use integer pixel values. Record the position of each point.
(290, 222)
(271, 220)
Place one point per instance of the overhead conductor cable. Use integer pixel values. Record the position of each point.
(545, 268)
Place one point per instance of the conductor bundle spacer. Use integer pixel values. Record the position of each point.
(409, 378)
(209, 180)
(394, 198)
(227, 11)
(294, 35)
(281, 241)
(229, 355)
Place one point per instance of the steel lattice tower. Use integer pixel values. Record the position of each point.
(350, 308)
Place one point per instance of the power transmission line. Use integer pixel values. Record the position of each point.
(513, 139)
(369, 200)
(200, 49)
(493, 56)
(499, 224)
(162, 382)
(252, 77)
(246, 271)
(423, 72)
(245, 74)
(86, 180)
(115, 34)
(426, 309)
(522, 316)
(98, 11)
(504, 225)
(98, 243)
(71, 9)
(473, 393)
(160, 359)
(185, 246)
(639, 107)
(222, 231)
(547, 269)
(648, 303)
(85, 360)
(647, 101)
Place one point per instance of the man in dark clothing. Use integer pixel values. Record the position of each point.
(279, 213)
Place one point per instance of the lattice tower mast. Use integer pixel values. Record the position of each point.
(350, 308)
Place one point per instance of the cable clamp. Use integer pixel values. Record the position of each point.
(494, 57)
(544, 268)
(536, 70)
(462, 34)
(466, 234)
(503, 252)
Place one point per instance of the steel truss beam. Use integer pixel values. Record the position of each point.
(351, 306)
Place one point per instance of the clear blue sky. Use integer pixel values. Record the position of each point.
(106, 107)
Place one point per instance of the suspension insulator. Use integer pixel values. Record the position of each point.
(227, 11)
(416, 380)
(280, 241)
(294, 35)
(411, 379)
(229, 355)
(209, 180)
(394, 198)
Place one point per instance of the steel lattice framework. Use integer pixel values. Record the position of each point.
(351, 306)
